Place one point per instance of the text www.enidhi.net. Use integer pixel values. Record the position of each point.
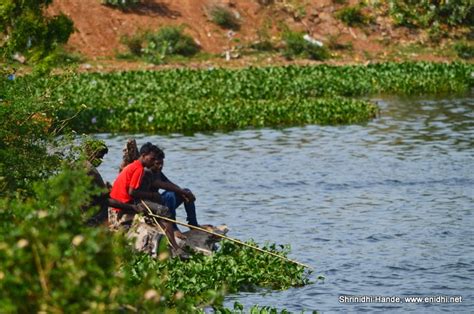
(399, 299)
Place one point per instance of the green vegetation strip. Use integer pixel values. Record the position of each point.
(183, 100)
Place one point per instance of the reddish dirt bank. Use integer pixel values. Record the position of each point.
(99, 29)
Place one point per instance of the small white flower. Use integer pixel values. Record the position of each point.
(151, 294)
(131, 101)
(22, 243)
(150, 118)
(77, 240)
(94, 120)
(42, 214)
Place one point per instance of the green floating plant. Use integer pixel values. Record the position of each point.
(185, 100)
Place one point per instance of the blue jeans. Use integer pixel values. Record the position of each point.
(173, 201)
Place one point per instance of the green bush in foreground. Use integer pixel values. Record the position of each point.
(26, 133)
(51, 262)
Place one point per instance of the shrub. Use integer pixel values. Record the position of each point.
(171, 40)
(134, 44)
(415, 13)
(27, 30)
(25, 136)
(296, 45)
(464, 50)
(224, 17)
(156, 47)
(352, 16)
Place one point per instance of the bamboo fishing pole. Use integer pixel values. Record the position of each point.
(223, 237)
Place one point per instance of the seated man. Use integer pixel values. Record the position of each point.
(126, 190)
(94, 151)
(173, 196)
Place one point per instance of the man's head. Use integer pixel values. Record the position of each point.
(94, 151)
(148, 154)
(159, 162)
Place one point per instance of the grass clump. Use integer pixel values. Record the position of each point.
(464, 50)
(223, 17)
(353, 16)
(426, 13)
(297, 46)
(157, 47)
(171, 40)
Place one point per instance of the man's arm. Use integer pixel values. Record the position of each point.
(164, 183)
(152, 196)
(129, 208)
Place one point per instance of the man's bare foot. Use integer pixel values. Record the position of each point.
(178, 234)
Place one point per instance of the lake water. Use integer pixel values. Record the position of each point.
(382, 209)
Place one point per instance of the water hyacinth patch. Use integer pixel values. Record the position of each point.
(224, 99)
(232, 268)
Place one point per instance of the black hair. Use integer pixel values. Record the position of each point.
(148, 148)
(160, 154)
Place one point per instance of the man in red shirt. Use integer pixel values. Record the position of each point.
(126, 189)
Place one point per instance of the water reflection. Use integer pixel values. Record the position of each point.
(382, 209)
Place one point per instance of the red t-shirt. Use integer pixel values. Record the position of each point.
(131, 176)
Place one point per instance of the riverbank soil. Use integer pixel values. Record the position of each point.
(100, 30)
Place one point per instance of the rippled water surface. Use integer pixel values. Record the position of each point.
(379, 209)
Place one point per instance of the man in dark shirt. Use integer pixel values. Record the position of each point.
(127, 189)
(173, 195)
